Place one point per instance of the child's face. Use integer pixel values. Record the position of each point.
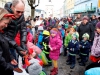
(53, 35)
(73, 38)
(98, 30)
(71, 32)
(85, 38)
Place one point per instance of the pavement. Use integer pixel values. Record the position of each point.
(63, 68)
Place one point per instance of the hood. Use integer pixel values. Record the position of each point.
(8, 7)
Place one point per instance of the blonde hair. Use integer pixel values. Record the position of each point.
(2, 13)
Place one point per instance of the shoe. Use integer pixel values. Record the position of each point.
(72, 66)
(78, 58)
(68, 63)
(49, 64)
(82, 64)
(54, 72)
(53, 69)
(18, 70)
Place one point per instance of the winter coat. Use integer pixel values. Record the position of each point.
(29, 38)
(40, 38)
(73, 47)
(93, 71)
(67, 39)
(13, 27)
(5, 56)
(88, 28)
(95, 50)
(85, 46)
(45, 44)
(62, 33)
(94, 22)
(55, 43)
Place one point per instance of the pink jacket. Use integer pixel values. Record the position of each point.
(30, 37)
(55, 43)
(95, 50)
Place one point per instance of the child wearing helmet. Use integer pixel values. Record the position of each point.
(45, 44)
(73, 47)
(84, 49)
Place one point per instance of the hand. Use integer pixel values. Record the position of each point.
(80, 45)
(23, 52)
(71, 49)
(99, 61)
(14, 62)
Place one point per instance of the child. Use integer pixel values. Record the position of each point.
(54, 45)
(84, 49)
(40, 36)
(46, 49)
(62, 33)
(73, 46)
(66, 34)
(95, 50)
(68, 38)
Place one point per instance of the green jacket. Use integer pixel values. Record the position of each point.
(67, 39)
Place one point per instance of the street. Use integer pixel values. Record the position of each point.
(65, 69)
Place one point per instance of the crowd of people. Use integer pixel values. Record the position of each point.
(40, 42)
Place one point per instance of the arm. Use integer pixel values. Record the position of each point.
(66, 41)
(23, 34)
(87, 46)
(91, 32)
(58, 44)
(14, 45)
(3, 63)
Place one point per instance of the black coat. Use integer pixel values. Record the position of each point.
(5, 56)
(88, 28)
(13, 28)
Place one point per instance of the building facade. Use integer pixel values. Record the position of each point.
(49, 9)
(86, 7)
(65, 8)
(70, 7)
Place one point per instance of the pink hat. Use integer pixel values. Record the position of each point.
(85, 18)
(98, 25)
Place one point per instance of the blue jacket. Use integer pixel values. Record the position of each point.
(93, 71)
(73, 47)
(40, 38)
(85, 46)
(62, 32)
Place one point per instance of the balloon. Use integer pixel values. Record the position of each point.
(34, 47)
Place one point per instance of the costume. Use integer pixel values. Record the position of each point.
(46, 48)
(35, 67)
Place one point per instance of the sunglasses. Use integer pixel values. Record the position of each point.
(19, 11)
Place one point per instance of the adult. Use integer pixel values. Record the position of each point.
(94, 21)
(78, 18)
(17, 8)
(6, 60)
(86, 27)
